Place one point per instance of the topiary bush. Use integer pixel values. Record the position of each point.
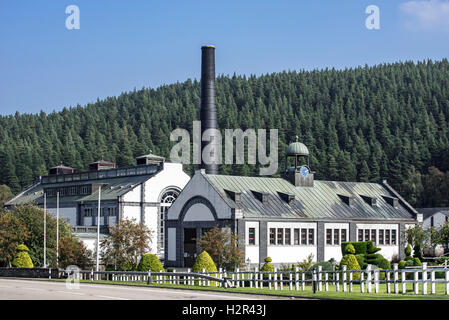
(408, 253)
(350, 261)
(350, 249)
(22, 258)
(150, 262)
(401, 264)
(417, 262)
(204, 261)
(417, 252)
(361, 260)
(359, 246)
(268, 266)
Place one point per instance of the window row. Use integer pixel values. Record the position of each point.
(285, 236)
(336, 236)
(69, 191)
(378, 236)
(108, 212)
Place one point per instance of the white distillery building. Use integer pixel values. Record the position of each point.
(143, 192)
(287, 218)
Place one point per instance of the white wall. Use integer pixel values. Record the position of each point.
(388, 251)
(334, 251)
(131, 212)
(290, 254)
(252, 251)
(133, 195)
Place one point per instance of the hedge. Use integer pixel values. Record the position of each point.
(359, 246)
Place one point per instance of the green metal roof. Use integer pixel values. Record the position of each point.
(297, 148)
(322, 201)
(111, 189)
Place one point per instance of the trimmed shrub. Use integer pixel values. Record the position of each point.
(408, 253)
(401, 264)
(150, 262)
(359, 246)
(351, 264)
(350, 249)
(204, 261)
(268, 266)
(22, 258)
(417, 252)
(417, 262)
(361, 260)
(371, 248)
(384, 264)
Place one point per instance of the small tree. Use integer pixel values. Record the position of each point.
(223, 247)
(127, 242)
(307, 263)
(73, 252)
(204, 261)
(416, 236)
(268, 266)
(443, 235)
(150, 262)
(22, 258)
(13, 232)
(350, 261)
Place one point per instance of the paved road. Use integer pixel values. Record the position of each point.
(21, 289)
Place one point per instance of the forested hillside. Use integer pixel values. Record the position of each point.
(369, 123)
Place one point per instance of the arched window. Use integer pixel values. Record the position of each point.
(167, 199)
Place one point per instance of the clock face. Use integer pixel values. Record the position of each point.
(304, 171)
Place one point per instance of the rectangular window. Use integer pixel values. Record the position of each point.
(296, 236)
(288, 236)
(381, 237)
(387, 237)
(252, 236)
(311, 236)
(366, 234)
(336, 237)
(329, 236)
(272, 236)
(373, 236)
(280, 236)
(303, 236)
(393, 236)
(360, 235)
(343, 235)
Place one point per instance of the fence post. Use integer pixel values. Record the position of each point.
(337, 280)
(320, 278)
(250, 277)
(432, 281)
(256, 283)
(395, 278)
(91, 274)
(290, 277)
(415, 282)
(296, 279)
(275, 278)
(343, 278)
(303, 280)
(238, 277)
(446, 277)
(403, 279)
(362, 282)
(326, 281)
(269, 281)
(424, 278)
(376, 280)
(387, 278)
(368, 279)
(314, 278)
(350, 280)
(281, 280)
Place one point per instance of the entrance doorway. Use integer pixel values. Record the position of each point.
(189, 247)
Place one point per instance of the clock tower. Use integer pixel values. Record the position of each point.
(297, 165)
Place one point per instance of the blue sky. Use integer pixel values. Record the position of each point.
(122, 45)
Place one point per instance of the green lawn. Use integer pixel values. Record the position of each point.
(331, 294)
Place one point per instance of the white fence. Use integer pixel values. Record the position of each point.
(369, 280)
